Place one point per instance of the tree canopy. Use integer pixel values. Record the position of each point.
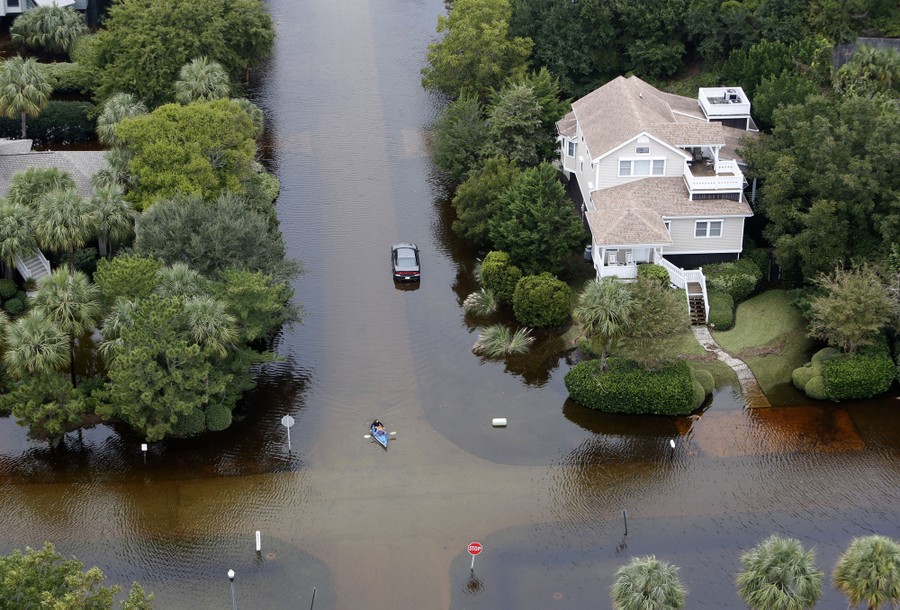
(144, 44)
(53, 29)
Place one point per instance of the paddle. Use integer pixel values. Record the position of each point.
(368, 436)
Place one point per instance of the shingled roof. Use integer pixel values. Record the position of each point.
(81, 165)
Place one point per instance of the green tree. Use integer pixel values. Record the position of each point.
(258, 303)
(135, 52)
(212, 236)
(782, 90)
(652, 40)
(535, 223)
(53, 29)
(853, 310)
(113, 217)
(24, 91)
(47, 404)
(16, 234)
(210, 325)
(542, 300)
(515, 127)
(254, 112)
(499, 276)
(458, 136)
(204, 148)
(871, 71)
(115, 109)
(28, 186)
(646, 583)
(838, 20)
(829, 189)
(658, 316)
(128, 277)
(603, 311)
(477, 53)
(179, 280)
(477, 199)
(68, 300)
(64, 222)
(44, 579)
(116, 170)
(202, 80)
(34, 346)
(869, 571)
(779, 574)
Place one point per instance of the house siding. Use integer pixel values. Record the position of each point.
(609, 165)
(683, 240)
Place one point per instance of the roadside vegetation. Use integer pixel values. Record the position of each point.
(170, 279)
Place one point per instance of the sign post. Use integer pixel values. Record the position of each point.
(287, 421)
(474, 549)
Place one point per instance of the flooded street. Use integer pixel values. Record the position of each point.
(347, 121)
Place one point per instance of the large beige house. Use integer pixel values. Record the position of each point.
(659, 178)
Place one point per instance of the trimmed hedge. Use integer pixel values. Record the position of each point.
(705, 379)
(14, 306)
(190, 424)
(8, 289)
(867, 373)
(801, 375)
(542, 300)
(218, 417)
(721, 310)
(654, 272)
(63, 122)
(815, 388)
(739, 278)
(627, 388)
(498, 275)
(67, 77)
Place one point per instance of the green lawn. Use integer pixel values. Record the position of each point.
(770, 336)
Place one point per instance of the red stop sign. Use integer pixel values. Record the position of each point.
(475, 548)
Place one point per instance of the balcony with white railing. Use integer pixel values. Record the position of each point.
(706, 175)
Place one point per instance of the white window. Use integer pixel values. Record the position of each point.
(571, 148)
(668, 225)
(642, 167)
(708, 228)
(642, 150)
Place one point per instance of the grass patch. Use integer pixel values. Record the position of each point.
(770, 336)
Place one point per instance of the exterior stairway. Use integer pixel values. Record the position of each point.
(34, 265)
(696, 304)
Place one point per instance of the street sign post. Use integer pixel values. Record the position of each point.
(287, 421)
(474, 549)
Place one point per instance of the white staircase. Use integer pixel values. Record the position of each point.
(34, 265)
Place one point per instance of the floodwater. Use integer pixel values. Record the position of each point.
(363, 526)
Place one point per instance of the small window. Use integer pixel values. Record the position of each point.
(659, 167)
(668, 226)
(642, 150)
(624, 168)
(708, 228)
(571, 149)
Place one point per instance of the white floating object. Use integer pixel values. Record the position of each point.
(499, 422)
(672, 443)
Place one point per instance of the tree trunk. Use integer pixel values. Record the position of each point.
(72, 360)
(101, 245)
(23, 126)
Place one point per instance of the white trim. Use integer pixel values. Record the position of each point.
(629, 141)
(709, 222)
(642, 150)
(571, 146)
(681, 252)
(668, 225)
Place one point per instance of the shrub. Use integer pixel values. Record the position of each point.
(705, 378)
(627, 388)
(655, 272)
(542, 300)
(825, 354)
(86, 261)
(190, 424)
(218, 417)
(496, 341)
(64, 122)
(721, 310)
(739, 278)
(815, 388)
(67, 77)
(500, 276)
(14, 306)
(7, 289)
(866, 373)
(699, 394)
(480, 303)
(756, 254)
(801, 375)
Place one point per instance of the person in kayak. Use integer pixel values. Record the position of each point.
(378, 425)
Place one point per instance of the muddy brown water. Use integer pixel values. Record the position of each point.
(347, 123)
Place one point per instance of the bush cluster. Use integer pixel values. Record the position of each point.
(721, 310)
(655, 272)
(831, 375)
(62, 122)
(500, 276)
(625, 387)
(739, 278)
(542, 300)
(67, 77)
(8, 289)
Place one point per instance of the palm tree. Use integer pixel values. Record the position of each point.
(254, 112)
(23, 89)
(116, 170)
(119, 319)
(778, 575)
(71, 302)
(179, 280)
(869, 571)
(28, 186)
(16, 234)
(202, 80)
(34, 346)
(210, 325)
(65, 220)
(603, 310)
(118, 107)
(113, 216)
(646, 583)
(52, 28)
